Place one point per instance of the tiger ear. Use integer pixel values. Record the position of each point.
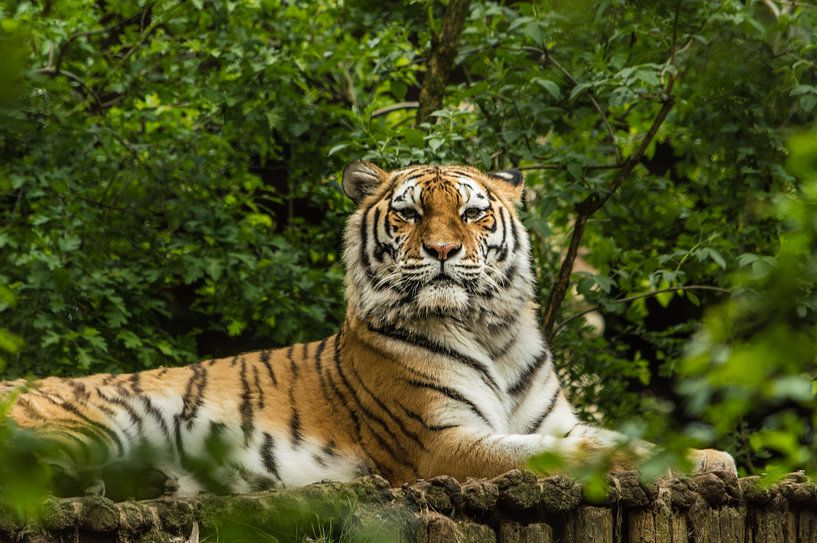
(513, 182)
(361, 178)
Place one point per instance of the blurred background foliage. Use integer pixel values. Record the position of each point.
(169, 186)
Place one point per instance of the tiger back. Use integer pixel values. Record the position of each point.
(438, 368)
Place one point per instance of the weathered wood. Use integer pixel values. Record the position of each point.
(806, 526)
(589, 524)
(516, 532)
(441, 58)
(656, 524)
(436, 528)
(516, 507)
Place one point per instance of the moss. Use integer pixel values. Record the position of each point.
(479, 497)
(99, 514)
(135, 517)
(560, 494)
(57, 514)
(10, 521)
(155, 536)
(177, 516)
(518, 490)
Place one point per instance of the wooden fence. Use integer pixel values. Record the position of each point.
(516, 507)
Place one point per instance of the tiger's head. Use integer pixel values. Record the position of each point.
(435, 241)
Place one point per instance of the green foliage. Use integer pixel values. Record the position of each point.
(168, 184)
(754, 359)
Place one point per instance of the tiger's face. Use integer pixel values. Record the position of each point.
(433, 240)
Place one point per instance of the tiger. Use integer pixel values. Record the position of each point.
(439, 367)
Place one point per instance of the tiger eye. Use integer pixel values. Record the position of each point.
(472, 213)
(408, 214)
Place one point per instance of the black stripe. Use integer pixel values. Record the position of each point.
(79, 391)
(413, 436)
(390, 359)
(502, 283)
(110, 413)
(378, 249)
(135, 380)
(548, 409)
(514, 233)
(264, 356)
(318, 353)
(154, 412)
(422, 421)
(295, 417)
(571, 430)
(68, 448)
(525, 379)
(374, 280)
(502, 351)
(503, 249)
(328, 384)
(329, 449)
(268, 456)
(247, 425)
(193, 396)
(116, 400)
(451, 393)
(258, 388)
(425, 343)
(369, 415)
(364, 254)
(345, 404)
(29, 409)
(295, 427)
(71, 408)
(292, 365)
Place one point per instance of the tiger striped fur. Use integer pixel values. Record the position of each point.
(439, 367)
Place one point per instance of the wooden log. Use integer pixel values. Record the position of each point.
(731, 524)
(515, 532)
(436, 528)
(589, 524)
(701, 523)
(806, 526)
(657, 524)
(774, 525)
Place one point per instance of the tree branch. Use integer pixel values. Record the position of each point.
(88, 91)
(592, 203)
(441, 59)
(73, 37)
(611, 135)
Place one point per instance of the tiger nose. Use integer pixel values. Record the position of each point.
(442, 250)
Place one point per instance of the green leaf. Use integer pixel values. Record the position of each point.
(9, 342)
(578, 89)
(803, 89)
(551, 87)
(336, 148)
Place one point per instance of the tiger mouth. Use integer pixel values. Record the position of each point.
(442, 278)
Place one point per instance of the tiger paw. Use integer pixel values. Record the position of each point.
(712, 461)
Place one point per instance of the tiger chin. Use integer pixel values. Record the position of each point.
(438, 368)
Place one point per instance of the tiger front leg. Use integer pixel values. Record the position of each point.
(702, 460)
(463, 454)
